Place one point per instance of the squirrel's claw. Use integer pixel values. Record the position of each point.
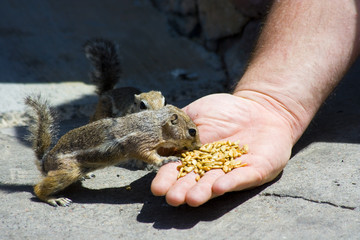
(170, 159)
(89, 175)
(64, 202)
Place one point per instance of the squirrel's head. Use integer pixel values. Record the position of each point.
(152, 100)
(179, 131)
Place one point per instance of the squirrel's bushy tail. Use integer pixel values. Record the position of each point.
(104, 58)
(41, 126)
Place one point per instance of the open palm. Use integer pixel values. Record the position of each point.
(228, 117)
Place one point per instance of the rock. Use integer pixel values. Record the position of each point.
(252, 8)
(183, 7)
(220, 18)
(181, 15)
(184, 25)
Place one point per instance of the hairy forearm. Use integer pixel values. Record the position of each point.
(304, 50)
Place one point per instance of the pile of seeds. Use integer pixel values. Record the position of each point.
(216, 155)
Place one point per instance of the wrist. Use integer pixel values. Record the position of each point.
(290, 110)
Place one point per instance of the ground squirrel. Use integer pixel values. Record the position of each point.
(103, 143)
(118, 102)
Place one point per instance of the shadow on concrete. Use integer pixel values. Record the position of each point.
(338, 120)
(10, 188)
(155, 210)
(164, 216)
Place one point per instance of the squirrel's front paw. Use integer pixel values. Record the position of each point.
(64, 202)
(89, 175)
(170, 159)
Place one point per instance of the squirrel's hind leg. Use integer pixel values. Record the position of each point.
(56, 181)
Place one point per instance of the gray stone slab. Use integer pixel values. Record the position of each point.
(327, 173)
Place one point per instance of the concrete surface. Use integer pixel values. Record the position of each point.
(316, 197)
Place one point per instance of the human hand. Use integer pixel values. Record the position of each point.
(228, 117)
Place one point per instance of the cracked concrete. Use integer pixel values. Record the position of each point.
(317, 196)
(312, 179)
(306, 199)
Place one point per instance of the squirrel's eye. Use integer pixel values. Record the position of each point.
(192, 132)
(142, 105)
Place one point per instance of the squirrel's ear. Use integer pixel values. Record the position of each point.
(174, 119)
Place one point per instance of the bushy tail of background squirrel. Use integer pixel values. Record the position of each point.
(41, 126)
(104, 58)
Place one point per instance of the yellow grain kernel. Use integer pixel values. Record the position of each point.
(197, 178)
(188, 168)
(217, 155)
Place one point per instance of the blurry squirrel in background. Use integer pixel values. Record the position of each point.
(106, 72)
(104, 143)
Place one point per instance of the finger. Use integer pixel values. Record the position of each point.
(177, 192)
(202, 191)
(236, 180)
(164, 179)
